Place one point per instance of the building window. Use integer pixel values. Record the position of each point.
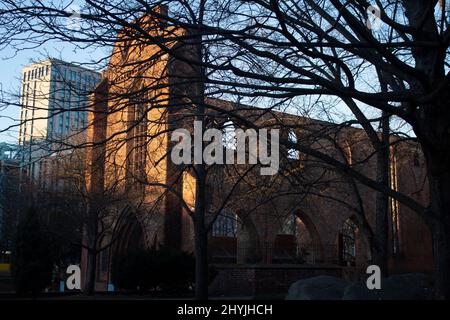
(77, 119)
(138, 136)
(61, 123)
(139, 131)
(63, 95)
(289, 225)
(33, 171)
(50, 127)
(348, 153)
(394, 205)
(349, 241)
(225, 225)
(40, 177)
(53, 88)
(83, 119)
(67, 121)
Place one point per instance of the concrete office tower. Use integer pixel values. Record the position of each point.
(53, 107)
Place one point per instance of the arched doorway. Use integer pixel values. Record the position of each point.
(353, 246)
(223, 241)
(297, 241)
(129, 235)
(234, 239)
(126, 236)
(248, 248)
(308, 239)
(348, 240)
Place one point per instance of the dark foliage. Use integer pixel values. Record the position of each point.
(164, 269)
(33, 255)
(65, 231)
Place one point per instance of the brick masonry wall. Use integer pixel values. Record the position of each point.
(263, 279)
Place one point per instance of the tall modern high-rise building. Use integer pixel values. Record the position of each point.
(54, 100)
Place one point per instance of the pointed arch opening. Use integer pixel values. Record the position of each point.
(354, 249)
(223, 242)
(297, 241)
(234, 239)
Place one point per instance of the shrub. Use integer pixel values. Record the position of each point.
(165, 269)
(33, 255)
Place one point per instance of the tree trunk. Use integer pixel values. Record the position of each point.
(380, 255)
(441, 240)
(91, 240)
(201, 263)
(432, 127)
(439, 181)
(90, 272)
(201, 236)
(197, 93)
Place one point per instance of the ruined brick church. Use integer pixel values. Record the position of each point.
(267, 232)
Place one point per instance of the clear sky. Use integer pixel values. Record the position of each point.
(11, 64)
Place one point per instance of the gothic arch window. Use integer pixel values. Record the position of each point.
(348, 153)
(229, 135)
(139, 123)
(349, 241)
(289, 225)
(225, 225)
(393, 204)
(285, 246)
(293, 153)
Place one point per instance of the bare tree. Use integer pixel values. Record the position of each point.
(275, 54)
